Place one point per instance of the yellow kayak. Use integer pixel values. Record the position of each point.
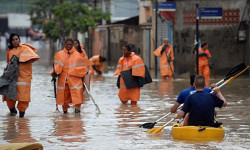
(197, 133)
(21, 146)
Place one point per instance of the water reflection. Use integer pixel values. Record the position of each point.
(69, 129)
(97, 78)
(166, 88)
(127, 115)
(18, 130)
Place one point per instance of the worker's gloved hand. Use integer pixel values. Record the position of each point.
(54, 76)
(169, 59)
(99, 72)
(141, 82)
(17, 59)
(163, 49)
(202, 54)
(211, 65)
(118, 82)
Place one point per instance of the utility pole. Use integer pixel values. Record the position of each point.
(197, 38)
(62, 27)
(156, 20)
(95, 3)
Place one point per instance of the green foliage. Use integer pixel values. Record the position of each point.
(48, 14)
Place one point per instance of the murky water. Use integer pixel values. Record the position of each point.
(117, 126)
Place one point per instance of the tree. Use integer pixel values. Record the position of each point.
(58, 19)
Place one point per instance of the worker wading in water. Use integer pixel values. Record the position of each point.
(97, 64)
(27, 55)
(70, 67)
(130, 61)
(204, 60)
(166, 54)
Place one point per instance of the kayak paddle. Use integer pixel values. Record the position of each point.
(158, 130)
(150, 125)
(233, 72)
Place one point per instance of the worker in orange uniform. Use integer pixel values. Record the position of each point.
(80, 48)
(70, 67)
(204, 59)
(130, 61)
(166, 54)
(27, 55)
(97, 64)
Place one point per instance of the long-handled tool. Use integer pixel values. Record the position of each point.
(158, 130)
(54, 81)
(170, 66)
(97, 107)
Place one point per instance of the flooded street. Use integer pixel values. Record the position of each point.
(117, 126)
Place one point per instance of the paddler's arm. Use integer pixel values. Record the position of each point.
(174, 108)
(220, 96)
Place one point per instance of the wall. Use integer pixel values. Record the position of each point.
(119, 35)
(221, 36)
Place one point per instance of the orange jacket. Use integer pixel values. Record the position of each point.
(164, 65)
(26, 57)
(138, 69)
(71, 67)
(85, 56)
(203, 60)
(95, 60)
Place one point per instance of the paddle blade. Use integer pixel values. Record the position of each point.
(235, 70)
(156, 130)
(149, 125)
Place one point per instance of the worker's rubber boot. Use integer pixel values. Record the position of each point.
(13, 111)
(21, 114)
(77, 111)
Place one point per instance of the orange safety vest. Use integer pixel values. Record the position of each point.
(164, 65)
(71, 67)
(25, 52)
(138, 69)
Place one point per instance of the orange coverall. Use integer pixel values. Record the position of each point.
(95, 60)
(85, 56)
(71, 67)
(27, 54)
(138, 69)
(204, 65)
(164, 64)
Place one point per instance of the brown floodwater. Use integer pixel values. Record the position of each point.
(117, 126)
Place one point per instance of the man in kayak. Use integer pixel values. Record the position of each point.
(200, 105)
(185, 93)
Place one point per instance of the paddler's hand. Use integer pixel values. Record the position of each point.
(216, 90)
(212, 86)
